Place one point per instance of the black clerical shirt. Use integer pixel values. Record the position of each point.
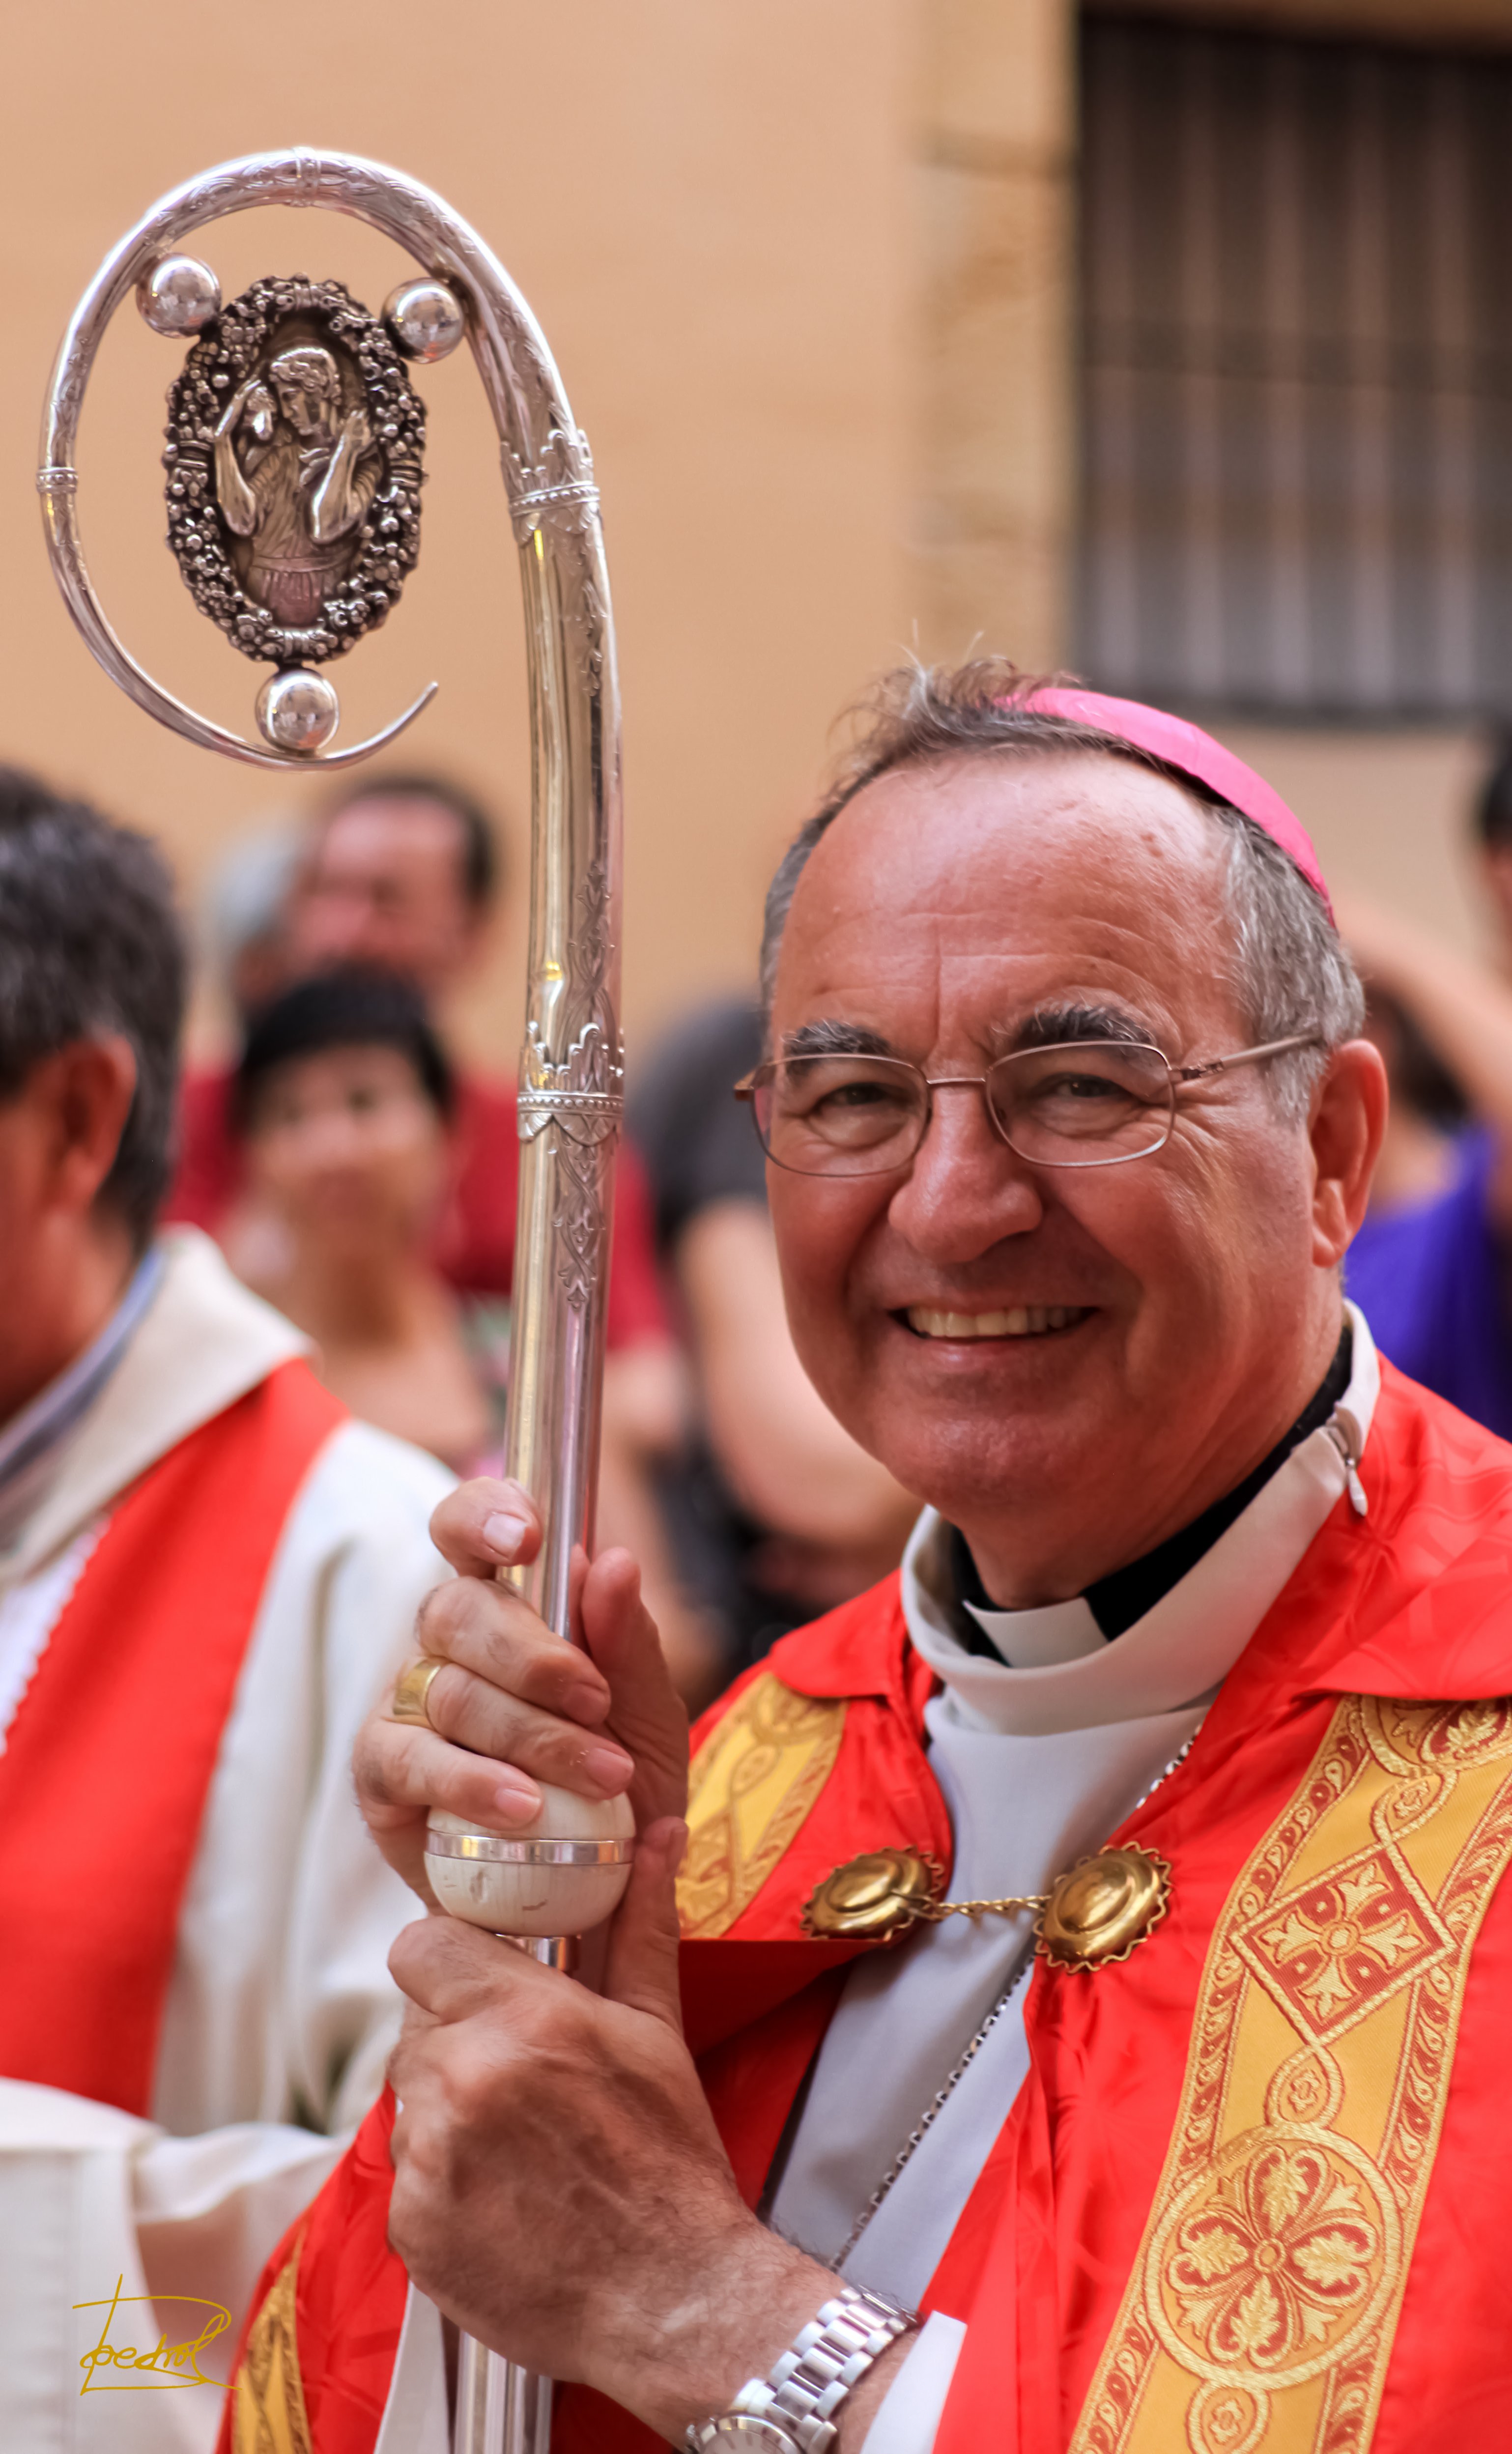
(1116, 1601)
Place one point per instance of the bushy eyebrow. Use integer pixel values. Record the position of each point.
(826, 1039)
(1048, 1026)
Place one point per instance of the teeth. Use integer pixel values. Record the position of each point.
(1029, 1321)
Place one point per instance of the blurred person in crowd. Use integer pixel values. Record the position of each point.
(207, 1572)
(402, 875)
(774, 1512)
(1492, 825)
(1432, 1265)
(344, 1104)
(243, 914)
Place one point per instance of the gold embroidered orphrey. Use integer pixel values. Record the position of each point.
(753, 1783)
(1261, 2312)
(1093, 1915)
(268, 2415)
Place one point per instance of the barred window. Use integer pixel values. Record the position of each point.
(1296, 294)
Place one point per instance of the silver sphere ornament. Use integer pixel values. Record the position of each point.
(426, 318)
(297, 710)
(179, 295)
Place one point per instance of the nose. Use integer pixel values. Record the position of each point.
(966, 1190)
(336, 924)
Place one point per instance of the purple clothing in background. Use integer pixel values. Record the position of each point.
(1429, 1280)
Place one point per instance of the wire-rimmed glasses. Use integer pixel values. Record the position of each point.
(1080, 1103)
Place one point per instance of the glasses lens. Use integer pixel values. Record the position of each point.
(1090, 1100)
(841, 1115)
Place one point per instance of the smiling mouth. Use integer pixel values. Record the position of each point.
(1025, 1321)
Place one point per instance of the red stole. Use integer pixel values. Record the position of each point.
(109, 1759)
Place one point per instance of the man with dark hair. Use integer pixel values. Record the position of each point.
(403, 875)
(206, 1573)
(85, 961)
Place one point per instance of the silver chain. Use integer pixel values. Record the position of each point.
(959, 2070)
(927, 2117)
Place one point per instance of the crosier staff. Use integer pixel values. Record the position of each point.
(297, 597)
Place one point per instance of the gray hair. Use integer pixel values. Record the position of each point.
(1289, 969)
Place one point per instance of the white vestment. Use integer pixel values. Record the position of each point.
(280, 2012)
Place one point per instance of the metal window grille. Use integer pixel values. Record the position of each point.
(1297, 297)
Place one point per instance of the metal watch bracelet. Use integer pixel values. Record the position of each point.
(789, 2410)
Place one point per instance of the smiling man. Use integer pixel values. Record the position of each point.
(1096, 1951)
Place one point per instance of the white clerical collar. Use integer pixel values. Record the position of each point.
(200, 1341)
(1058, 1672)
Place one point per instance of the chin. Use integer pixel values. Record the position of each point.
(977, 1461)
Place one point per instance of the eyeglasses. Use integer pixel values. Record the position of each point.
(1081, 1103)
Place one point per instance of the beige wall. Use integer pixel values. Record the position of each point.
(1389, 811)
(808, 271)
(709, 208)
(994, 399)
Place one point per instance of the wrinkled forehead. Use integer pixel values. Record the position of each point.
(1020, 875)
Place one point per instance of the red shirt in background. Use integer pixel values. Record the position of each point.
(474, 1244)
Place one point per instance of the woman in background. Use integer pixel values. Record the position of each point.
(343, 1100)
(343, 1103)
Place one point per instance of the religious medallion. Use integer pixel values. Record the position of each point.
(295, 452)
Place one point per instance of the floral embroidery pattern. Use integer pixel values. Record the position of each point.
(1277, 2259)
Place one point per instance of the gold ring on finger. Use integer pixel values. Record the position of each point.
(412, 1687)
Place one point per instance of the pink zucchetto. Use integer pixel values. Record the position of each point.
(1192, 752)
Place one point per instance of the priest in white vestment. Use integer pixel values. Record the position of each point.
(123, 1360)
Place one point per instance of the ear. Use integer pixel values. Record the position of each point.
(1348, 1121)
(83, 1095)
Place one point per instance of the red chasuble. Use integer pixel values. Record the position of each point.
(107, 1761)
(1252, 2197)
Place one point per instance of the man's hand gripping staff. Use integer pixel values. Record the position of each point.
(560, 2190)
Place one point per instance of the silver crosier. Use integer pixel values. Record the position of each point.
(571, 1062)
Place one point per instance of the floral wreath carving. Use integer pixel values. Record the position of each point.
(229, 349)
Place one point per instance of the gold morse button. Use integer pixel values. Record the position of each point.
(1098, 1910)
(873, 1894)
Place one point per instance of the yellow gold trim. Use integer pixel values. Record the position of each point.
(754, 1780)
(268, 2415)
(1261, 2312)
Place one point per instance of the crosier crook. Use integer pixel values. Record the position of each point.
(571, 1870)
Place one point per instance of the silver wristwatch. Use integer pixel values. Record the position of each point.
(789, 2410)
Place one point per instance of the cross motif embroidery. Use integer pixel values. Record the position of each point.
(1330, 1954)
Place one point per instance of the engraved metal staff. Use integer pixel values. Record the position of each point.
(295, 466)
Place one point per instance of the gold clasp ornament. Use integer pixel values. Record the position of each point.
(1102, 1906)
(880, 1893)
(1093, 1914)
